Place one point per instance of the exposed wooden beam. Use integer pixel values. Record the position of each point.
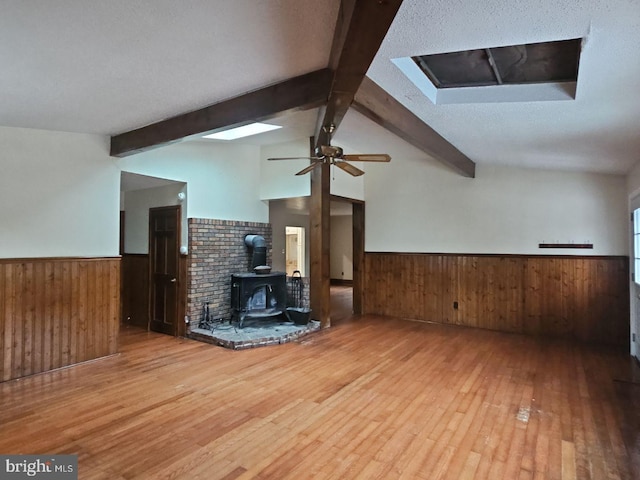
(376, 104)
(360, 30)
(299, 93)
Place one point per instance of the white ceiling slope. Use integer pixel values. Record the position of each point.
(110, 66)
(598, 131)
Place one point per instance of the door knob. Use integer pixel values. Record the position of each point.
(173, 280)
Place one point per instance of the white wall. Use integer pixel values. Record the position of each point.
(59, 193)
(223, 180)
(137, 204)
(633, 181)
(420, 206)
(341, 244)
(345, 185)
(278, 178)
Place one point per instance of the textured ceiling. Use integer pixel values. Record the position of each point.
(598, 131)
(109, 66)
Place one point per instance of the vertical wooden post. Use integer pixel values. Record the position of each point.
(358, 257)
(319, 220)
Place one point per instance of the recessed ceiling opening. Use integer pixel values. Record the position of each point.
(527, 72)
(515, 64)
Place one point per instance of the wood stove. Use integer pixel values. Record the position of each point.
(258, 295)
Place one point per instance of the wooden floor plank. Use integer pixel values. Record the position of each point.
(371, 397)
(568, 461)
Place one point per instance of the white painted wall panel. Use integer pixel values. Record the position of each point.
(59, 193)
(278, 178)
(419, 206)
(223, 180)
(344, 185)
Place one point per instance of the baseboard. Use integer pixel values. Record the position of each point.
(341, 282)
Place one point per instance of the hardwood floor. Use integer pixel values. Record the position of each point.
(341, 304)
(369, 398)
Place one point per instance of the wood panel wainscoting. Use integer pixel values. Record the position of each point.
(581, 297)
(56, 312)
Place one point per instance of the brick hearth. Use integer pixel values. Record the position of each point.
(256, 333)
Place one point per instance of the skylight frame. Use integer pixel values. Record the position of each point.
(243, 131)
(541, 62)
(497, 92)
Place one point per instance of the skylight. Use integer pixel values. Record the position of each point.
(244, 131)
(515, 73)
(516, 64)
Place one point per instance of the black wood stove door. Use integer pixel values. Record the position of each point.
(258, 295)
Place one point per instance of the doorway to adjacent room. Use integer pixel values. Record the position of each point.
(295, 250)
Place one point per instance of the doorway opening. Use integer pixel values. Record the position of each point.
(294, 250)
(140, 195)
(347, 257)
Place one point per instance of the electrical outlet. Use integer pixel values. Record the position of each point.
(455, 305)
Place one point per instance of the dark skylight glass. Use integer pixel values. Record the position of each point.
(516, 64)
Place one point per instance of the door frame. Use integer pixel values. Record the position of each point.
(180, 287)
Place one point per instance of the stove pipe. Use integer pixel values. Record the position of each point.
(259, 246)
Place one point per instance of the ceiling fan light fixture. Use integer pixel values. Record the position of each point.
(334, 155)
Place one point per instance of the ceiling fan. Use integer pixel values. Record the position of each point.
(335, 156)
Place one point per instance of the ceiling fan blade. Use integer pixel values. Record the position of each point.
(294, 158)
(368, 157)
(308, 169)
(347, 167)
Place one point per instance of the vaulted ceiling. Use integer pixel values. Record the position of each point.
(111, 67)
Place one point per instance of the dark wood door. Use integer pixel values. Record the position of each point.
(164, 237)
